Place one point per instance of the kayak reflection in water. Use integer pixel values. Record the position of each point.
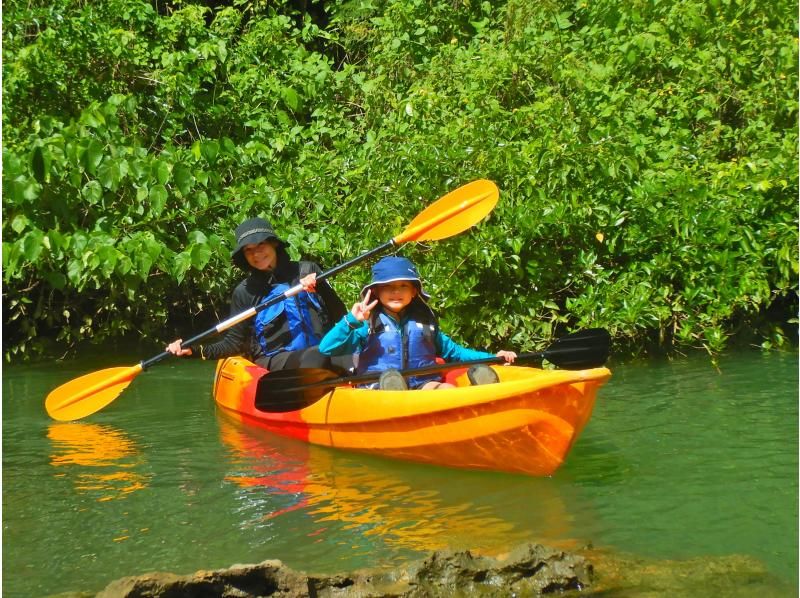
(398, 330)
(371, 504)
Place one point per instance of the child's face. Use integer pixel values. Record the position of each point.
(262, 256)
(395, 296)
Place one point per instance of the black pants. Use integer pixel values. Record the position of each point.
(306, 358)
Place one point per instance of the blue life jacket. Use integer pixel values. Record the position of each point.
(300, 332)
(388, 347)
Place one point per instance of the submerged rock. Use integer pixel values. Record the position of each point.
(530, 570)
(733, 576)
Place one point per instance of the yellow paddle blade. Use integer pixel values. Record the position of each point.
(85, 395)
(454, 213)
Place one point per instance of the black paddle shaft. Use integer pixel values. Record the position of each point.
(288, 390)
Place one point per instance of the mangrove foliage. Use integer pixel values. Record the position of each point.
(646, 153)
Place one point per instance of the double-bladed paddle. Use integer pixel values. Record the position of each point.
(449, 215)
(289, 390)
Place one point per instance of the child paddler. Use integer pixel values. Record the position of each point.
(398, 330)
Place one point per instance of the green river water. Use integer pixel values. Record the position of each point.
(679, 460)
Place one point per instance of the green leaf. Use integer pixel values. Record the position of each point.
(11, 257)
(58, 242)
(158, 199)
(563, 20)
(31, 191)
(19, 223)
(32, 244)
(210, 150)
(180, 265)
(200, 254)
(92, 117)
(124, 264)
(75, 272)
(109, 174)
(161, 172)
(291, 99)
(201, 177)
(92, 156)
(183, 179)
(92, 192)
(197, 237)
(108, 259)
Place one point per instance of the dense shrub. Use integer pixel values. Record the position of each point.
(646, 154)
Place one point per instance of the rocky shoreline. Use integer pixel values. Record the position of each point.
(528, 570)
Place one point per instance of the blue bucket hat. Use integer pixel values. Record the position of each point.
(392, 269)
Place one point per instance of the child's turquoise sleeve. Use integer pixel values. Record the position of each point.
(449, 350)
(347, 336)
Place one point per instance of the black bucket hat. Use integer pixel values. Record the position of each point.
(252, 231)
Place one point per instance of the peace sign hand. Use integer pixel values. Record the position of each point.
(362, 309)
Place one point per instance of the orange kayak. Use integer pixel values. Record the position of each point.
(526, 423)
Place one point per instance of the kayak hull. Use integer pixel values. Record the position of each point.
(527, 423)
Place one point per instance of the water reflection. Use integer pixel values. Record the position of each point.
(402, 506)
(100, 460)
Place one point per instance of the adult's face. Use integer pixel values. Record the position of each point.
(262, 256)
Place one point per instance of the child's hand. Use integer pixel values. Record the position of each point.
(309, 282)
(509, 356)
(362, 309)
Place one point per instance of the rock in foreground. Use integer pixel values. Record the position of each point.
(530, 570)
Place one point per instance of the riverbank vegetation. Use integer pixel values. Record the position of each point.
(646, 154)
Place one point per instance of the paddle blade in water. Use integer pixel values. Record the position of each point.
(452, 214)
(90, 393)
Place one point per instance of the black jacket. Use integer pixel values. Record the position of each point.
(241, 338)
